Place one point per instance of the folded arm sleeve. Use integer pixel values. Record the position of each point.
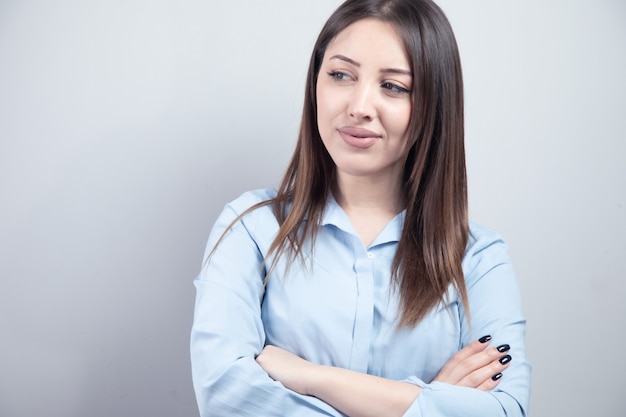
(228, 334)
(495, 307)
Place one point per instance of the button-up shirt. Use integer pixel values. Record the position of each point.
(337, 306)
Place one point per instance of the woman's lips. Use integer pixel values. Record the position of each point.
(358, 137)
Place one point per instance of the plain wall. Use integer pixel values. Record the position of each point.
(125, 126)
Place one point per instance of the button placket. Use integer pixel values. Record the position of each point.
(364, 314)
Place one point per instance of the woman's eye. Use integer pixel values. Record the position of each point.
(395, 89)
(339, 76)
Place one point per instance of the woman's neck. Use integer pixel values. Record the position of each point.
(370, 203)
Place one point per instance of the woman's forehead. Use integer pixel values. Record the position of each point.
(370, 39)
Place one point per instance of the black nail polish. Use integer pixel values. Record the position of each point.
(484, 339)
(503, 348)
(505, 359)
(496, 376)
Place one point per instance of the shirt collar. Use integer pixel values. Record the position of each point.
(335, 216)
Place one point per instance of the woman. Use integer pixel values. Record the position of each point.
(359, 287)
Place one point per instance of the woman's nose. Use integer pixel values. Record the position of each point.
(362, 106)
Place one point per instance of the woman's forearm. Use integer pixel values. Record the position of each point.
(353, 393)
(361, 395)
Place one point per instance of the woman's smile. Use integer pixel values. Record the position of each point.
(364, 102)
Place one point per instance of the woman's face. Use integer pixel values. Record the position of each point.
(364, 101)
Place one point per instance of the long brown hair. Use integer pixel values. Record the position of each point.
(435, 232)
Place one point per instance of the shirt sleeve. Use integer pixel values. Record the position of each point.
(495, 307)
(227, 332)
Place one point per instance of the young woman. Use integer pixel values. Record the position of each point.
(359, 287)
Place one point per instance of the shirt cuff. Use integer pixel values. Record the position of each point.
(439, 399)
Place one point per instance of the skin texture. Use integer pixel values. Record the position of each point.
(362, 395)
(367, 94)
(356, 89)
(364, 109)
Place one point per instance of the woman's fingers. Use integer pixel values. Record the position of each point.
(488, 376)
(457, 367)
(476, 365)
(490, 383)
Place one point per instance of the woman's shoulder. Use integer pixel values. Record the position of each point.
(250, 198)
(485, 249)
(481, 237)
(248, 209)
(246, 215)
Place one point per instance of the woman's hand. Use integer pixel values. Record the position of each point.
(356, 394)
(476, 366)
(292, 371)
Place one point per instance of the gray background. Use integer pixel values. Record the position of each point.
(126, 125)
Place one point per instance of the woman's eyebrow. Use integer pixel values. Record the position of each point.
(396, 71)
(384, 70)
(346, 59)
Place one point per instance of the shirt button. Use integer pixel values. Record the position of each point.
(370, 255)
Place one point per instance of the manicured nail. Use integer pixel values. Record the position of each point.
(496, 376)
(503, 348)
(484, 339)
(505, 359)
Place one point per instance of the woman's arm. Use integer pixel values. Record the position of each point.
(496, 309)
(228, 332)
(362, 395)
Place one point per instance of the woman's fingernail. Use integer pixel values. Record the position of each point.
(496, 376)
(505, 359)
(503, 348)
(484, 339)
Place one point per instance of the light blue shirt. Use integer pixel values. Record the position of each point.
(338, 309)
